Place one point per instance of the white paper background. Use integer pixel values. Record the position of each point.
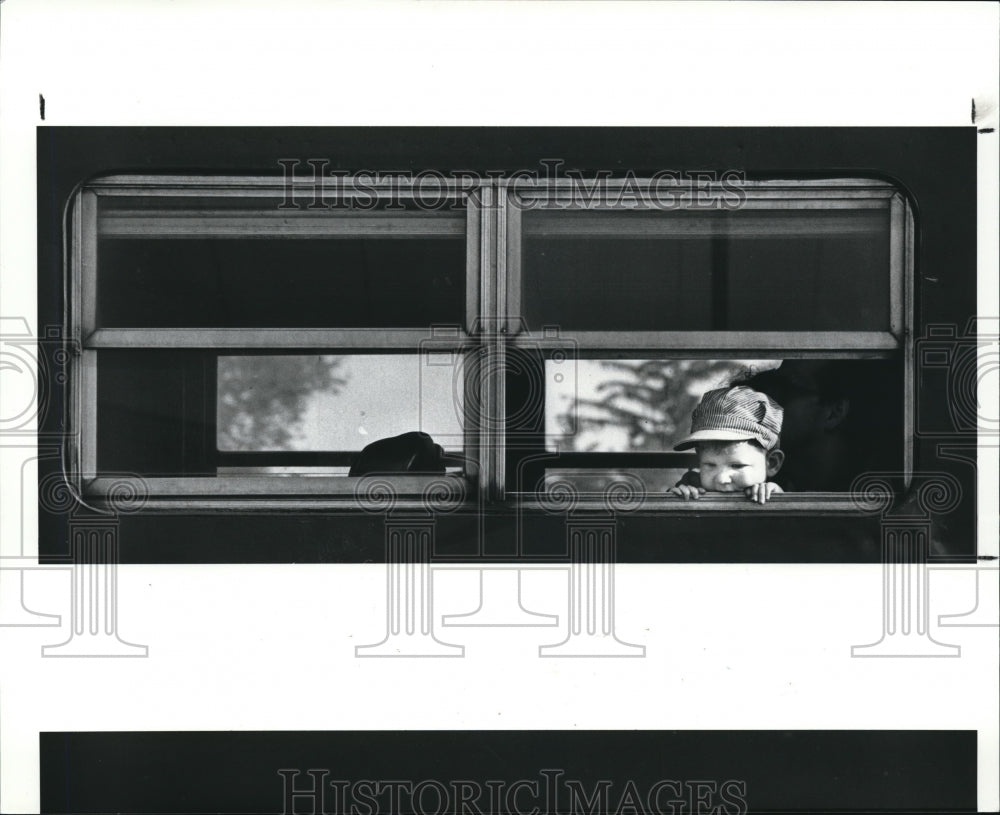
(741, 646)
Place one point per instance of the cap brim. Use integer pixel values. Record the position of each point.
(714, 435)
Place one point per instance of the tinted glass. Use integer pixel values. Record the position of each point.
(784, 270)
(281, 283)
(155, 412)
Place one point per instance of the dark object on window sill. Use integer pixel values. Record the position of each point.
(412, 452)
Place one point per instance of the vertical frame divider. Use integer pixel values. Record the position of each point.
(86, 438)
(900, 255)
(489, 406)
(82, 322)
(469, 359)
(473, 259)
(906, 287)
(86, 267)
(511, 261)
(501, 323)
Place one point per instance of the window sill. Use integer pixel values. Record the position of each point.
(373, 493)
(436, 494)
(798, 503)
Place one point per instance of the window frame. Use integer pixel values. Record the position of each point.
(85, 229)
(630, 194)
(494, 232)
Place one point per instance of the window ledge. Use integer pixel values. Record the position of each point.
(800, 502)
(437, 494)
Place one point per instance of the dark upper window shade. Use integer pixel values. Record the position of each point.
(280, 283)
(772, 270)
(155, 412)
(617, 285)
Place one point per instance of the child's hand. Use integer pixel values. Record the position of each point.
(759, 493)
(688, 491)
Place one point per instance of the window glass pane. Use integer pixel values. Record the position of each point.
(632, 405)
(842, 417)
(281, 283)
(286, 470)
(655, 481)
(805, 284)
(117, 212)
(155, 412)
(193, 413)
(774, 270)
(327, 402)
(617, 285)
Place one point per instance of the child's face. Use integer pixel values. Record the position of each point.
(732, 466)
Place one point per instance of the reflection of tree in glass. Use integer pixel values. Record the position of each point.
(651, 400)
(262, 398)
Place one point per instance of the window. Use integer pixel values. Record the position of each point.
(238, 344)
(239, 347)
(658, 300)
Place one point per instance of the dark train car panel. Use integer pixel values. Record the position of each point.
(184, 278)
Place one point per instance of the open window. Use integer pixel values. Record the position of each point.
(632, 305)
(241, 348)
(241, 344)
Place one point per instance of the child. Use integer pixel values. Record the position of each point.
(735, 433)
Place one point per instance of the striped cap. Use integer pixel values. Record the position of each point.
(735, 414)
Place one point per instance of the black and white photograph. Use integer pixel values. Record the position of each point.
(498, 408)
